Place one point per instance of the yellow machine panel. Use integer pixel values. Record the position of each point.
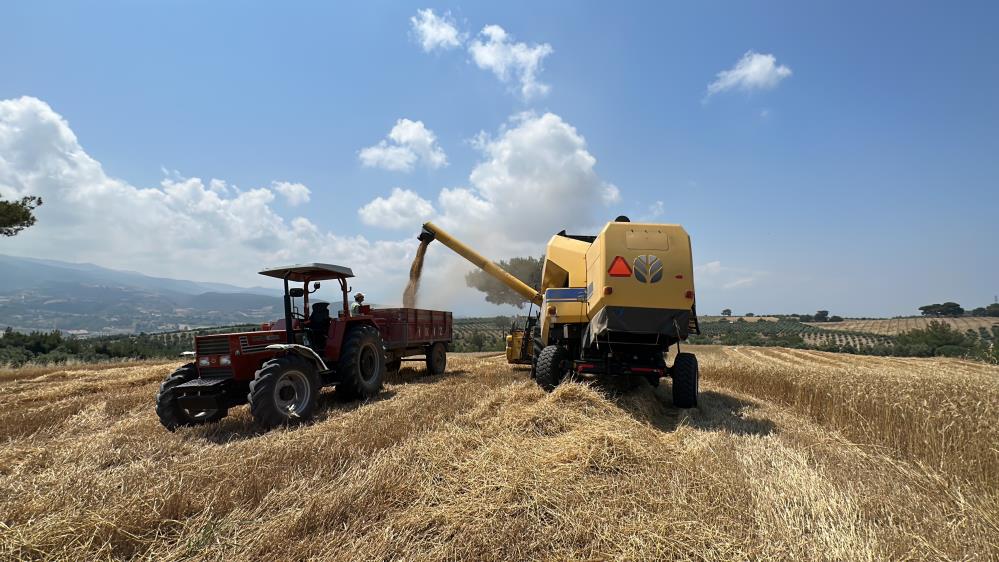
(660, 272)
(514, 343)
(565, 263)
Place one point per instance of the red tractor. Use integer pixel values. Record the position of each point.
(281, 369)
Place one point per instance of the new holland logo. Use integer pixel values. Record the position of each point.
(648, 269)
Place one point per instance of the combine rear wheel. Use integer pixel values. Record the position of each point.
(284, 391)
(685, 375)
(436, 359)
(550, 368)
(170, 413)
(362, 363)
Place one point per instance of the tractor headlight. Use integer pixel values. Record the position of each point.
(225, 361)
(203, 362)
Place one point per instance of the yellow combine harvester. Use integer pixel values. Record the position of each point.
(610, 304)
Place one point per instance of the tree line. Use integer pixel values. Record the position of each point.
(953, 309)
(52, 347)
(819, 316)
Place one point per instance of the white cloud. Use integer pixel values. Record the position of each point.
(511, 61)
(435, 32)
(294, 193)
(536, 177)
(657, 209)
(714, 275)
(709, 269)
(402, 209)
(184, 228)
(754, 71)
(407, 142)
(740, 282)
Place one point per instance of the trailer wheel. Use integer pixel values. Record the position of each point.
(171, 414)
(285, 391)
(436, 359)
(685, 375)
(362, 363)
(550, 368)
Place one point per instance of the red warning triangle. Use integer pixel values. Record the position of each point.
(619, 268)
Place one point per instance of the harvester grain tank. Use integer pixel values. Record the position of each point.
(610, 305)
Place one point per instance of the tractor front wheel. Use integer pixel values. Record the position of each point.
(550, 368)
(685, 375)
(169, 411)
(362, 363)
(284, 392)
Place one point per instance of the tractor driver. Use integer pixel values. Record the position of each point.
(355, 308)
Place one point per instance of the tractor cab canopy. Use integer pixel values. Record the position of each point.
(295, 323)
(309, 272)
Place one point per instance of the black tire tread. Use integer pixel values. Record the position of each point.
(432, 367)
(170, 414)
(261, 395)
(349, 387)
(685, 374)
(547, 371)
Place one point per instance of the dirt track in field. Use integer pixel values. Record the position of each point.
(791, 454)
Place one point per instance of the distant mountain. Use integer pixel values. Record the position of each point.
(37, 294)
(19, 273)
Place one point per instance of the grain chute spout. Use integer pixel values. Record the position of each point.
(426, 236)
(432, 232)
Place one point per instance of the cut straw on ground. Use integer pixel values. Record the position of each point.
(791, 455)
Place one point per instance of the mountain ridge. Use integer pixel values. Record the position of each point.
(43, 294)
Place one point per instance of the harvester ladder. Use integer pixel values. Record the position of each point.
(693, 326)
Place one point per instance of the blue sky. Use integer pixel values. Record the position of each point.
(864, 179)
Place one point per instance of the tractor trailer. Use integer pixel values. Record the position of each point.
(609, 305)
(281, 369)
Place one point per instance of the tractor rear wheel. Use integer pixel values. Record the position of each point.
(550, 368)
(362, 363)
(685, 375)
(170, 413)
(285, 391)
(436, 359)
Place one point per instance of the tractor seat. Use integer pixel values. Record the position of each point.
(319, 325)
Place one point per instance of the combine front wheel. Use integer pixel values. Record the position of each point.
(550, 369)
(685, 375)
(170, 413)
(284, 391)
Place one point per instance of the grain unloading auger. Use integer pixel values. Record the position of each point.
(610, 304)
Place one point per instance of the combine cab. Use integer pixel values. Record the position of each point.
(281, 369)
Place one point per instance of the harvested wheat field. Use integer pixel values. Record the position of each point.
(791, 455)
